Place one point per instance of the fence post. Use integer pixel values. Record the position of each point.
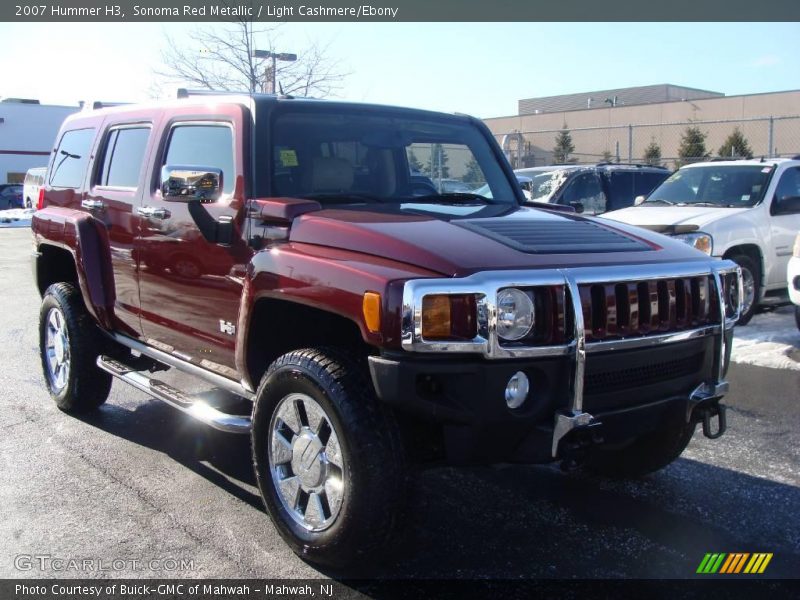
(630, 143)
(770, 137)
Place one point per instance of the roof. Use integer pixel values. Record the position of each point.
(756, 162)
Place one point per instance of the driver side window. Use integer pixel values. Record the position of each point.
(586, 190)
(789, 184)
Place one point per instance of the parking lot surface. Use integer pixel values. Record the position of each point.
(141, 483)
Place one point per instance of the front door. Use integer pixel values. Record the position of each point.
(784, 227)
(190, 288)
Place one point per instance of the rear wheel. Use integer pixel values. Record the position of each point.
(69, 343)
(646, 454)
(751, 284)
(327, 456)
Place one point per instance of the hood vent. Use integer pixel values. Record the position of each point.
(549, 237)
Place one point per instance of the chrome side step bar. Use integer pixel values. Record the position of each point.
(194, 407)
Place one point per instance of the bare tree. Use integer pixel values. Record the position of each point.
(222, 59)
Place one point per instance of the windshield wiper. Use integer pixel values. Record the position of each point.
(344, 198)
(714, 204)
(451, 198)
(654, 200)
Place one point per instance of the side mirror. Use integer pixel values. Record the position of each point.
(639, 200)
(578, 206)
(787, 205)
(180, 183)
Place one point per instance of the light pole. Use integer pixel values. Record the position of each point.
(275, 56)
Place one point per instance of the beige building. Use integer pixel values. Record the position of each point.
(620, 124)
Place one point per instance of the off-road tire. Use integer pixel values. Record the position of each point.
(374, 474)
(649, 453)
(746, 262)
(87, 386)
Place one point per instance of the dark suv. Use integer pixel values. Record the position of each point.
(352, 323)
(592, 189)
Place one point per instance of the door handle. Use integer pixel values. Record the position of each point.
(152, 212)
(93, 204)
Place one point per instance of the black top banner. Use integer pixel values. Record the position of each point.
(400, 10)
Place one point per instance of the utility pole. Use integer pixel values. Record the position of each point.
(272, 73)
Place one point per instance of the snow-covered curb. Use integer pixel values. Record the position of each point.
(769, 340)
(16, 217)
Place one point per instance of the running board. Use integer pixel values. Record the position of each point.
(194, 407)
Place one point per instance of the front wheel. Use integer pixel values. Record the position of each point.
(646, 454)
(751, 285)
(328, 458)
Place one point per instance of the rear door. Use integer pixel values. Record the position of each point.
(191, 288)
(113, 195)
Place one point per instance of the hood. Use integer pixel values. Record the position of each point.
(458, 240)
(671, 219)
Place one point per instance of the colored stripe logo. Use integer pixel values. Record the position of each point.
(734, 563)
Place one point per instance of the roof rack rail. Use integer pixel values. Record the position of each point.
(185, 93)
(625, 164)
(98, 104)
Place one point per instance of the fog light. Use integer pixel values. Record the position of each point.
(517, 389)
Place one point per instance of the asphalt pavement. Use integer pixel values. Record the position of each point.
(139, 490)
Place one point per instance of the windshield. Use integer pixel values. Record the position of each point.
(544, 184)
(730, 186)
(337, 155)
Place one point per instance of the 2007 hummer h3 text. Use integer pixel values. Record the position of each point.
(302, 257)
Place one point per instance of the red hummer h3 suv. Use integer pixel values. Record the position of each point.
(302, 257)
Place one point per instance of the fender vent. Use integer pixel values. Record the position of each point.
(554, 237)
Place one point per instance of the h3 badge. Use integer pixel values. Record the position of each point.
(227, 327)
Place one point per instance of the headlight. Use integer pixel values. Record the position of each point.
(700, 241)
(514, 314)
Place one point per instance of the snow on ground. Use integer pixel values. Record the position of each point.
(771, 339)
(16, 217)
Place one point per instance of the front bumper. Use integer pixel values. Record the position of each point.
(626, 384)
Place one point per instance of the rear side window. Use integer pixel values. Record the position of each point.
(72, 156)
(203, 146)
(123, 156)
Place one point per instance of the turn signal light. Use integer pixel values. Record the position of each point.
(371, 307)
(449, 317)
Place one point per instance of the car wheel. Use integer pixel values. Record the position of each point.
(28, 203)
(69, 344)
(646, 454)
(751, 283)
(186, 267)
(328, 458)
(797, 316)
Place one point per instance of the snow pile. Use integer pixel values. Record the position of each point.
(16, 217)
(769, 340)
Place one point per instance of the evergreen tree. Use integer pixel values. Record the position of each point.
(652, 154)
(564, 146)
(473, 174)
(439, 160)
(736, 146)
(607, 156)
(693, 146)
(413, 162)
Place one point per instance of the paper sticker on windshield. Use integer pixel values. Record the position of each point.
(745, 197)
(288, 158)
(766, 169)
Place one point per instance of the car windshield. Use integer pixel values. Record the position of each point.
(731, 186)
(544, 184)
(346, 156)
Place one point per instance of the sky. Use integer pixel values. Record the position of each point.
(476, 68)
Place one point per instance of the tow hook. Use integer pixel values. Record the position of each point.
(573, 446)
(705, 413)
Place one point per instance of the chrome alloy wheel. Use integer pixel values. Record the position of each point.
(56, 347)
(306, 462)
(749, 289)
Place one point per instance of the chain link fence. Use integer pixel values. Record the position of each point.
(765, 136)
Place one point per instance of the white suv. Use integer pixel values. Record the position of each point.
(793, 276)
(34, 179)
(745, 210)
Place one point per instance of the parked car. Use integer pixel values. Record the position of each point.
(10, 196)
(523, 182)
(744, 210)
(592, 189)
(793, 277)
(34, 179)
(449, 186)
(353, 326)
